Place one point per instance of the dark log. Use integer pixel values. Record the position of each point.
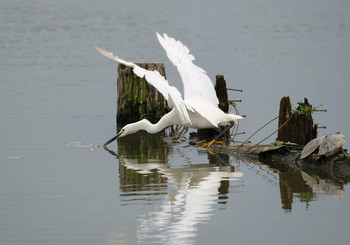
(336, 167)
(299, 127)
(136, 98)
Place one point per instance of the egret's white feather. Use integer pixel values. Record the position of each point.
(197, 84)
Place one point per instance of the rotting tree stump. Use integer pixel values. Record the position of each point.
(136, 98)
(221, 93)
(299, 127)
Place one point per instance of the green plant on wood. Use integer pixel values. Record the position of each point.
(305, 109)
(314, 157)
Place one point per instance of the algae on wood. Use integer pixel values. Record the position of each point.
(136, 98)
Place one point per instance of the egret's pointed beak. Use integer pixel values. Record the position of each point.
(113, 139)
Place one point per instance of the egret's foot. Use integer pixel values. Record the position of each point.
(201, 143)
(214, 141)
(211, 152)
(206, 144)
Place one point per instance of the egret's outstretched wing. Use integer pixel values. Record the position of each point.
(170, 93)
(197, 85)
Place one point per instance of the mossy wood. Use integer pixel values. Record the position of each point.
(136, 98)
(300, 128)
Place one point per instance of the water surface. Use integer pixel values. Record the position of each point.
(58, 104)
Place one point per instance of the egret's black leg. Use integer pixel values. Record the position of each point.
(232, 123)
(177, 131)
(215, 140)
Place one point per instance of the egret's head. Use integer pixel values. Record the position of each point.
(123, 132)
(126, 130)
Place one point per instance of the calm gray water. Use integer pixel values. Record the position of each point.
(58, 102)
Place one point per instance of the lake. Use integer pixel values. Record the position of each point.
(58, 94)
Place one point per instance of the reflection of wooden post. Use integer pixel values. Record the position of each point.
(143, 147)
(291, 183)
(221, 93)
(300, 128)
(137, 99)
(148, 148)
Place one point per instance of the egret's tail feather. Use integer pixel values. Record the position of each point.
(111, 56)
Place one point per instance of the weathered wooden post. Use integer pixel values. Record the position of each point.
(221, 93)
(136, 98)
(296, 127)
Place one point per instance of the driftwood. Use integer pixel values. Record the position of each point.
(136, 98)
(288, 155)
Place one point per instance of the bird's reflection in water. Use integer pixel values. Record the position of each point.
(192, 200)
(185, 196)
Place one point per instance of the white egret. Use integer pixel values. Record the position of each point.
(199, 108)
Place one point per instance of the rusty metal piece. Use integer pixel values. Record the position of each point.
(233, 89)
(238, 133)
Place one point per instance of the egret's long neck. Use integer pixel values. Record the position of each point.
(167, 120)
